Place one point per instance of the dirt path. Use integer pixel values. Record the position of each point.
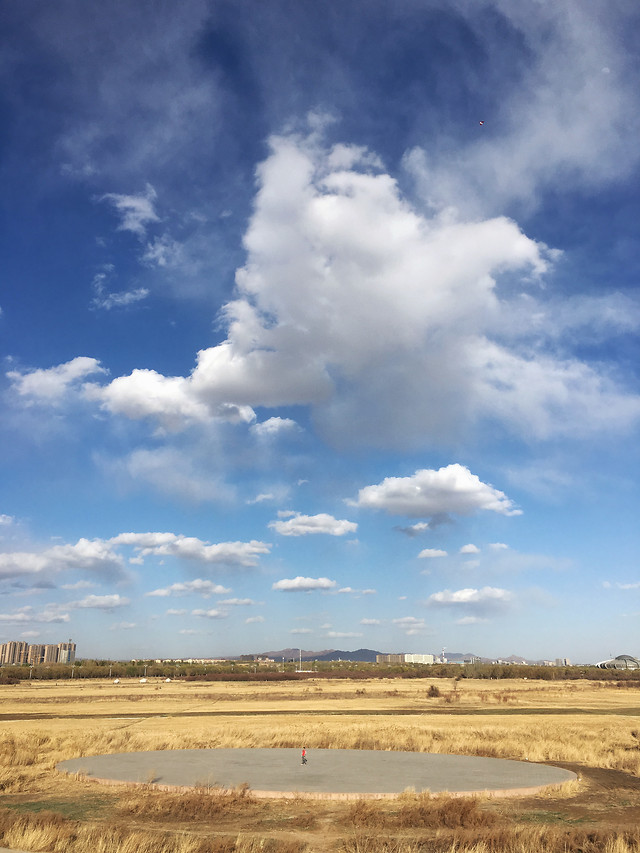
(609, 799)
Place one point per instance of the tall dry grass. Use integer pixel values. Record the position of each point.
(524, 840)
(600, 738)
(503, 720)
(51, 832)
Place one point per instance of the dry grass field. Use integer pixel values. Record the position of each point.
(590, 727)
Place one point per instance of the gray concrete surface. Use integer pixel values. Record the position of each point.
(333, 772)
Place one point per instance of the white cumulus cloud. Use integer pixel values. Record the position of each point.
(386, 319)
(428, 492)
(233, 554)
(51, 385)
(302, 525)
(205, 588)
(89, 555)
(209, 614)
(301, 584)
(50, 614)
(477, 601)
(99, 602)
(273, 427)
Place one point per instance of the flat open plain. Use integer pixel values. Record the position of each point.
(586, 727)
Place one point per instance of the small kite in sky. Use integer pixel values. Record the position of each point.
(480, 122)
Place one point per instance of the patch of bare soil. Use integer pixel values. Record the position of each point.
(607, 800)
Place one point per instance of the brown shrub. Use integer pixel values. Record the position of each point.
(198, 804)
(443, 812)
(365, 813)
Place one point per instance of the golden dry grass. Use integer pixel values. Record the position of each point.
(583, 723)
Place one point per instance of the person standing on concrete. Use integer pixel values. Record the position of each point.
(304, 755)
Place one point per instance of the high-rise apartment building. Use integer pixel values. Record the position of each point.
(36, 654)
(66, 652)
(14, 652)
(19, 652)
(50, 654)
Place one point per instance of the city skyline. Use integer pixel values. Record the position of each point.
(319, 324)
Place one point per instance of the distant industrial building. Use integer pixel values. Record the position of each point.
(16, 653)
(404, 659)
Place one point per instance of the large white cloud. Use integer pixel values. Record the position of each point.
(388, 322)
(302, 525)
(428, 492)
(169, 399)
(89, 555)
(52, 384)
(235, 554)
(101, 557)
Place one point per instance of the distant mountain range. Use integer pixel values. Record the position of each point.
(369, 656)
(366, 655)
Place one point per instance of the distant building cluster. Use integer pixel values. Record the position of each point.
(468, 659)
(17, 652)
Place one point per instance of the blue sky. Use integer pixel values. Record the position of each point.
(319, 327)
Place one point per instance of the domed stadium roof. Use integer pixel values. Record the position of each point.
(620, 662)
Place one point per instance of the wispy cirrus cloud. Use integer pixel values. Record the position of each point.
(410, 625)
(135, 211)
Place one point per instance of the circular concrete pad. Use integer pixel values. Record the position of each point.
(339, 773)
